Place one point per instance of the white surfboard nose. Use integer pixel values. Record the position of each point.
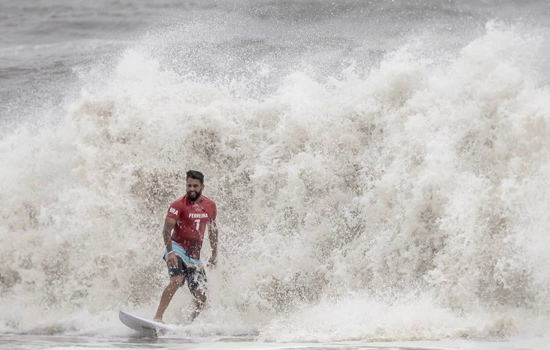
(142, 325)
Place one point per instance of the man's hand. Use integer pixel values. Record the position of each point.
(172, 260)
(212, 262)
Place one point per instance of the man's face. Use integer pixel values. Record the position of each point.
(194, 189)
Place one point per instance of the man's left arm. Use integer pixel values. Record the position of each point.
(213, 237)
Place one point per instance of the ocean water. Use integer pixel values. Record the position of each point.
(381, 169)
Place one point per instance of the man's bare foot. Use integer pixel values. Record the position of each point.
(159, 320)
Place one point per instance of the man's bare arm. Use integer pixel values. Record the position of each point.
(213, 237)
(169, 224)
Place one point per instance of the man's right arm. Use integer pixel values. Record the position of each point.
(169, 224)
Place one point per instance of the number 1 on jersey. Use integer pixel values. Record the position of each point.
(197, 223)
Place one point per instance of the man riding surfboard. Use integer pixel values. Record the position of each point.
(184, 227)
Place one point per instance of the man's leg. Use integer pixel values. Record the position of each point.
(169, 291)
(196, 280)
(200, 302)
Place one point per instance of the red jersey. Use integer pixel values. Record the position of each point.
(191, 220)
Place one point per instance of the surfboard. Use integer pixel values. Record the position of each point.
(143, 325)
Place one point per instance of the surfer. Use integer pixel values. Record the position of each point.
(183, 233)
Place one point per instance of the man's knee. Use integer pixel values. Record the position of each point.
(176, 281)
(200, 295)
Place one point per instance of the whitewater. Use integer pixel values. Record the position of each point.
(374, 189)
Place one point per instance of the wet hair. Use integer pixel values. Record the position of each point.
(197, 175)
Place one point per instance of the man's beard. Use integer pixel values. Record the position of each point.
(192, 197)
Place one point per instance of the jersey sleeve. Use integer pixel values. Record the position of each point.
(174, 211)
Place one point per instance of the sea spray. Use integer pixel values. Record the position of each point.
(404, 201)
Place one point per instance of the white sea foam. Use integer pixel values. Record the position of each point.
(404, 202)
